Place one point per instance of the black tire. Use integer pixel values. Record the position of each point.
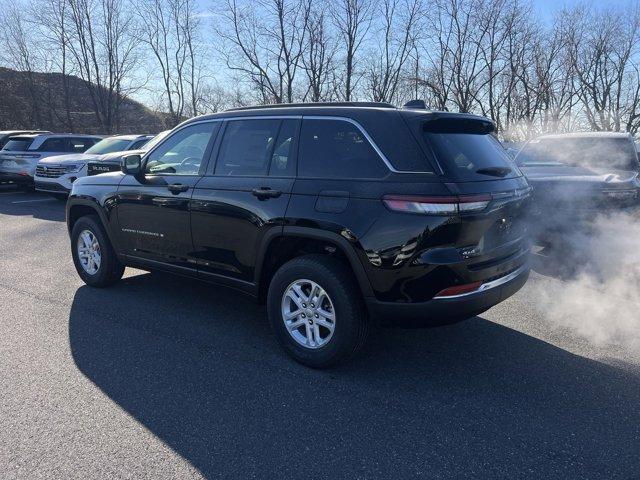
(351, 324)
(110, 270)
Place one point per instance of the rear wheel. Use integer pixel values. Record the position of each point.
(93, 255)
(316, 311)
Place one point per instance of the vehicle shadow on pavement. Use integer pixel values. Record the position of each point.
(198, 366)
(34, 204)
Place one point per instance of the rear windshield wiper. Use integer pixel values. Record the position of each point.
(494, 171)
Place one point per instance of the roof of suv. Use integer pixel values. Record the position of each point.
(355, 110)
(22, 132)
(390, 127)
(57, 135)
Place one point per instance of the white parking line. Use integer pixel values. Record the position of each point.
(35, 200)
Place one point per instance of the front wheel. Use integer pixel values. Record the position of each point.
(316, 311)
(93, 255)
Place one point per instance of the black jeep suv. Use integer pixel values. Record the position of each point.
(338, 215)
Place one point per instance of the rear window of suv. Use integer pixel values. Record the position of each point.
(467, 150)
(18, 144)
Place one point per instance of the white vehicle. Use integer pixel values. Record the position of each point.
(21, 153)
(56, 174)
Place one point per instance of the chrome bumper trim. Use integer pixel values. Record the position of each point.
(489, 285)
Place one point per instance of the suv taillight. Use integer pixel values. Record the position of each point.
(436, 205)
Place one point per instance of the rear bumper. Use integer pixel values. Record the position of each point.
(16, 178)
(447, 310)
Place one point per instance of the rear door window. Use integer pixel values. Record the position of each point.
(337, 149)
(467, 151)
(54, 145)
(247, 147)
(18, 144)
(283, 157)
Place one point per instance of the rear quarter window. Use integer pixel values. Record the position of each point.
(337, 149)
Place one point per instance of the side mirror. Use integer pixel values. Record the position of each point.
(131, 164)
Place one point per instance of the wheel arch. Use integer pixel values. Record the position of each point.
(81, 208)
(290, 240)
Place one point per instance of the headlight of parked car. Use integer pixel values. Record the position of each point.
(72, 168)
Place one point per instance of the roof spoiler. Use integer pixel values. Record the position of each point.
(417, 104)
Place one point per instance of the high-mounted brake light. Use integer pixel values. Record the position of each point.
(436, 205)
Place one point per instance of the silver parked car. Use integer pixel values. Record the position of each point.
(21, 153)
(56, 174)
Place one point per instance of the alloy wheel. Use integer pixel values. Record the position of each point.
(308, 313)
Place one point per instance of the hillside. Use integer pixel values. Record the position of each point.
(37, 100)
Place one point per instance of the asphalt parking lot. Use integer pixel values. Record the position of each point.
(162, 377)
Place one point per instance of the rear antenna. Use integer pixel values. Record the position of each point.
(418, 104)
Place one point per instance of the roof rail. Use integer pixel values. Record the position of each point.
(316, 104)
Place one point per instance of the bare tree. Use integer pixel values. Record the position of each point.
(51, 17)
(318, 58)
(102, 44)
(352, 19)
(19, 50)
(602, 48)
(170, 29)
(400, 21)
(264, 43)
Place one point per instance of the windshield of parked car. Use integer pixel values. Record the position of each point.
(155, 140)
(617, 153)
(18, 144)
(109, 145)
(468, 151)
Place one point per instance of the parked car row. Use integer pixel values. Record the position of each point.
(51, 162)
(336, 215)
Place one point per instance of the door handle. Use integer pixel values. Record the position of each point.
(178, 188)
(265, 192)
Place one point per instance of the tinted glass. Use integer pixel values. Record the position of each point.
(337, 149)
(182, 153)
(18, 144)
(471, 156)
(247, 147)
(156, 140)
(618, 153)
(109, 145)
(80, 145)
(139, 144)
(55, 145)
(282, 161)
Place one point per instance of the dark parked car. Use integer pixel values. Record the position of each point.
(338, 215)
(576, 176)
